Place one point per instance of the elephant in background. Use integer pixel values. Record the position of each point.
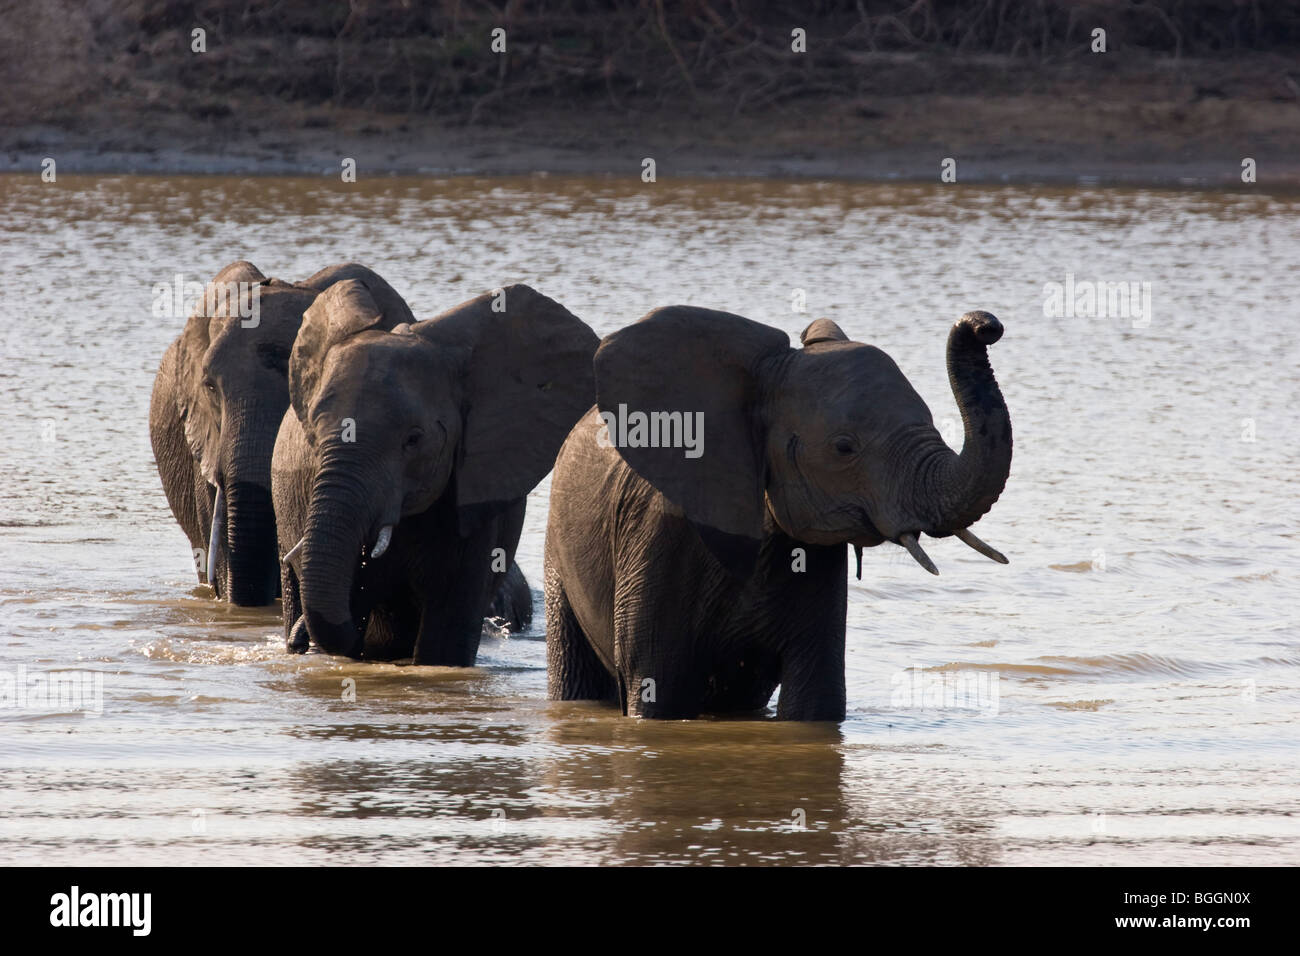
(218, 398)
(401, 469)
(683, 581)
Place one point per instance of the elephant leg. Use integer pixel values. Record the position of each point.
(658, 673)
(812, 681)
(742, 688)
(649, 686)
(573, 671)
(513, 601)
(386, 608)
(390, 631)
(505, 591)
(451, 616)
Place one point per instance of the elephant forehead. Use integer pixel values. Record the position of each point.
(831, 371)
(275, 314)
(849, 386)
(249, 349)
(377, 362)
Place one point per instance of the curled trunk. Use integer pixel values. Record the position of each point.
(961, 488)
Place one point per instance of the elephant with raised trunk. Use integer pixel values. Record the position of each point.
(220, 393)
(400, 471)
(688, 578)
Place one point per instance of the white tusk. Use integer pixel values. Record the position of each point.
(381, 542)
(214, 535)
(970, 539)
(294, 555)
(914, 549)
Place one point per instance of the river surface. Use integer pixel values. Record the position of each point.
(1126, 691)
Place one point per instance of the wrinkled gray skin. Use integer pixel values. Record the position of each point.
(671, 583)
(217, 401)
(400, 471)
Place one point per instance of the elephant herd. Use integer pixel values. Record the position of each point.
(371, 470)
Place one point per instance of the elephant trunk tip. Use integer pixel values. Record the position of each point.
(344, 639)
(984, 326)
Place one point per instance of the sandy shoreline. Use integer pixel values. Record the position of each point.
(1181, 141)
(458, 161)
(1175, 98)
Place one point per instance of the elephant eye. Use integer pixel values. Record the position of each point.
(844, 445)
(210, 385)
(413, 440)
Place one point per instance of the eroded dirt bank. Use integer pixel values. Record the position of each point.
(1012, 91)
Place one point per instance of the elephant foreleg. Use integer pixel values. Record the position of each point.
(812, 682)
(451, 617)
(573, 671)
(658, 676)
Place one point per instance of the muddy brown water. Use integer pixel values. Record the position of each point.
(1127, 690)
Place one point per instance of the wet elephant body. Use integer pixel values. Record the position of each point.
(218, 397)
(401, 469)
(218, 402)
(680, 584)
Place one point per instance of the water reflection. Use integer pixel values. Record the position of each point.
(1147, 659)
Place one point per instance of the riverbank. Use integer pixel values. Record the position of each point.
(1175, 122)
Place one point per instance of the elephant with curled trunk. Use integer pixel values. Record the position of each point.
(220, 393)
(400, 471)
(692, 576)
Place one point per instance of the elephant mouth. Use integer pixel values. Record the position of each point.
(868, 535)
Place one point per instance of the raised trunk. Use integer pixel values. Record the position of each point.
(337, 524)
(960, 489)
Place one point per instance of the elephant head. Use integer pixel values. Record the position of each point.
(831, 441)
(231, 394)
(473, 403)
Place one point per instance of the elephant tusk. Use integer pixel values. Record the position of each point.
(381, 542)
(214, 535)
(914, 549)
(970, 539)
(294, 555)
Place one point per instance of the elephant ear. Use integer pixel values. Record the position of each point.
(392, 305)
(689, 360)
(527, 381)
(342, 310)
(202, 430)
